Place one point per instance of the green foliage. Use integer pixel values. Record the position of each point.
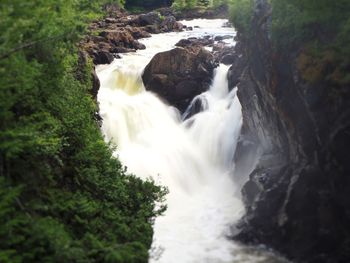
(63, 197)
(184, 4)
(241, 12)
(322, 28)
(218, 3)
(146, 4)
(191, 4)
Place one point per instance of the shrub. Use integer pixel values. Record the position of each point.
(63, 197)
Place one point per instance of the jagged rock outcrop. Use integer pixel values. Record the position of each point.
(223, 52)
(297, 198)
(150, 18)
(179, 75)
(120, 32)
(170, 24)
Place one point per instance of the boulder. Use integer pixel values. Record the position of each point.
(179, 75)
(224, 53)
(193, 41)
(138, 45)
(228, 59)
(103, 57)
(153, 29)
(120, 41)
(119, 38)
(170, 24)
(137, 32)
(151, 18)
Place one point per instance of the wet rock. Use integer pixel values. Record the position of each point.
(198, 104)
(138, 45)
(151, 18)
(122, 50)
(119, 38)
(220, 38)
(296, 197)
(179, 75)
(138, 32)
(228, 59)
(95, 84)
(103, 57)
(239, 64)
(170, 24)
(153, 29)
(225, 54)
(193, 41)
(119, 33)
(219, 47)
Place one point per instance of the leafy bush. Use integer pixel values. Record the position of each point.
(63, 197)
(184, 4)
(191, 4)
(322, 28)
(241, 12)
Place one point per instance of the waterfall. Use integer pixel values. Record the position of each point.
(192, 155)
(216, 128)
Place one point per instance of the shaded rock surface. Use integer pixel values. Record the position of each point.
(297, 198)
(179, 75)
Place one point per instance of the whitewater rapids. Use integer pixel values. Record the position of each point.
(193, 158)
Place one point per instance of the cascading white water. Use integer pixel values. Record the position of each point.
(193, 158)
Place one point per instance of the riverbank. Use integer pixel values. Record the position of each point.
(63, 196)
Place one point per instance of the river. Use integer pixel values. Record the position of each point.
(193, 158)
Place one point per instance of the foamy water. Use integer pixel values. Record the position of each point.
(192, 158)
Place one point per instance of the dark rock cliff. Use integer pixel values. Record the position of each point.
(297, 198)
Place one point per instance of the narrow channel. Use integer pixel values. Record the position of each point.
(191, 156)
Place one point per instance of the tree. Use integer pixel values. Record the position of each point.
(63, 197)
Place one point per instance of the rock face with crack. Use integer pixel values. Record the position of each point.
(297, 198)
(179, 75)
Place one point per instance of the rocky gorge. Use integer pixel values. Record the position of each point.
(296, 197)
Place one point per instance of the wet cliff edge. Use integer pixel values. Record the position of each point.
(297, 197)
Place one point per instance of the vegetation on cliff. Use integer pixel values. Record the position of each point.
(191, 4)
(296, 65)
(320, 30)
(63, 197)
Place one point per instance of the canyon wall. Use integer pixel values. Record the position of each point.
(297, 198)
